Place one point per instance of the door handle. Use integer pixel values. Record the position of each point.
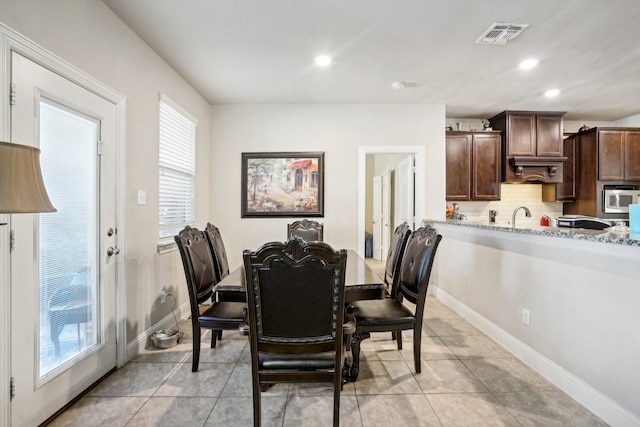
(113, 251)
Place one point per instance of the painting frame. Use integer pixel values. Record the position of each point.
(282, 184)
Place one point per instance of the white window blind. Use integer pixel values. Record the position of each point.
(177, 168)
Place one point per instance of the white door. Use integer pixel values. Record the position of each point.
(63, 282)
(381, 214)
(377, 218)
(386, 212)
(405, 183)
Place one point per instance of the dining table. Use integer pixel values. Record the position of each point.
(361, 282)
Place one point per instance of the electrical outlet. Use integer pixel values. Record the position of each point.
(525, 316)
(163, 296)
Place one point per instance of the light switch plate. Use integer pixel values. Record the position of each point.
(142, 197)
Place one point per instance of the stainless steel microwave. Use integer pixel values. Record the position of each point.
(617, 198)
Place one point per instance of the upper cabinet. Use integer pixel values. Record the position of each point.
(473, 165)
(604, 156)
(532, 145)
(618, 154)
(566, 190)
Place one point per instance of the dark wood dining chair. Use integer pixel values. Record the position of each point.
(310, 231)
(390, 314)
(206, 312)
(221, 264)
(397, 247)
(296, 310)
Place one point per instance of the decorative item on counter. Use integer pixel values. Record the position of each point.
(544, 220)
(619, 227)
(459, 126)
(492, 216)
(452, 212)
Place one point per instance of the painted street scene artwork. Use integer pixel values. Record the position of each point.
(282, 186)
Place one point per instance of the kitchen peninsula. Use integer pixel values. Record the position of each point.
(565, 301)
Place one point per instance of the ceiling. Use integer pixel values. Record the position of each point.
(262, 52)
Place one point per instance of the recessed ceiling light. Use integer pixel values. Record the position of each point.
(552, 92)
(398, 85)
(323, 60)
(528, 64)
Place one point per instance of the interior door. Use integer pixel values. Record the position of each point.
(63, 278)
(377, 218)
(386, 212)
(405, 183)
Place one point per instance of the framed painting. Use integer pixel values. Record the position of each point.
(283, 184)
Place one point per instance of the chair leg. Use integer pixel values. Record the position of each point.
(336, 402)
(417, 341)
(78, 331)
(356, 339)
(257, 414)
(399, 339)
(196, 346)
(54, 333)
(214, 337)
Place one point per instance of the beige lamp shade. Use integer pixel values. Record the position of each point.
(21, 186)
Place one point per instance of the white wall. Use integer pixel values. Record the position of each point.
(88, 35)
(338, 130)
(583, 299)
(632, 121)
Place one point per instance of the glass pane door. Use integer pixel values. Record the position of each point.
(67, 238)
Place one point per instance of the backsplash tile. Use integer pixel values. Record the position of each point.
(512, 196)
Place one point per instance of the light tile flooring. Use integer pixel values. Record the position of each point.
(467, 380)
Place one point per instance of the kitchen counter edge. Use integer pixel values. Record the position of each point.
(602, 236)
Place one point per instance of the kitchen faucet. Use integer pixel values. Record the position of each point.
(527, 213)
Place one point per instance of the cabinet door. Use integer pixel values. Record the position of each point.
(632, 155)
(521, 135)
(611, 155)
(486, 167)
(458, 155)
(566, 191)
(549, 136)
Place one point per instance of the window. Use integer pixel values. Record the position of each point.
(177, 168)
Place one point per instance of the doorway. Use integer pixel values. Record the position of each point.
(366, 152)
(64, 284)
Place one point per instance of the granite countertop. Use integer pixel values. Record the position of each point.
(603, 236)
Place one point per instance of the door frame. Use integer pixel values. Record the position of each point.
(13, 41)
(418, 151)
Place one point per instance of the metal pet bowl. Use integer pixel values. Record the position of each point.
(166, 339)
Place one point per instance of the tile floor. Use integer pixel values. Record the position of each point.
(467, 380)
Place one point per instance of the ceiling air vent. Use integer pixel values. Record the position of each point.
(501, 34)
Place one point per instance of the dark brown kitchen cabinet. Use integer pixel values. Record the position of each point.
(604, 156)
(618, 155)
(473, 165)
(566, 190)
(530, 133)
(532, 145)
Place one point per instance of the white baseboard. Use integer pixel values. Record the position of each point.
(595, 401)
(142, 341)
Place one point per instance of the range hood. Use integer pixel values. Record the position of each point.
(532, 146)
(535, 169)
